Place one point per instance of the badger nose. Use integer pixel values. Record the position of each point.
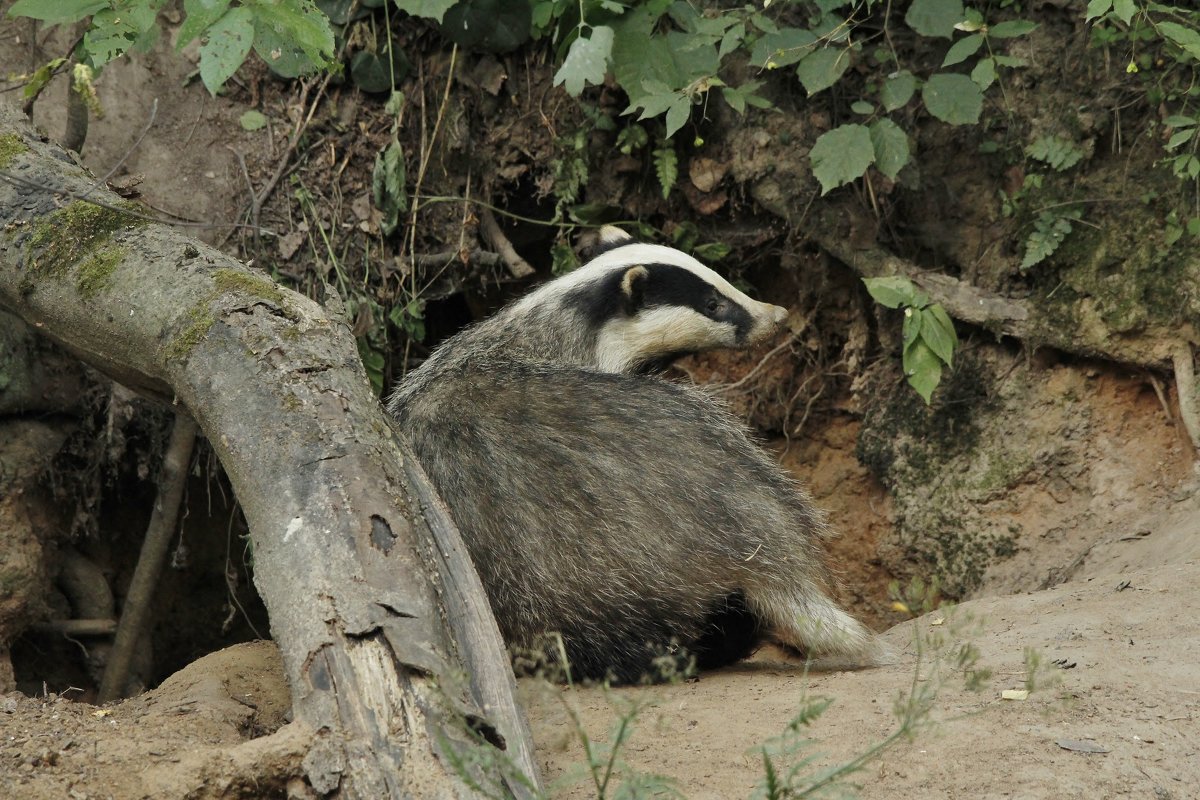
(769, 318)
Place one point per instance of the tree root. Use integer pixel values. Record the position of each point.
(1087, 335)
(136, 613)
(961, 300)
(1185, 383)
(517, 266)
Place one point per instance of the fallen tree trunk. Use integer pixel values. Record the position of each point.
(372, 599)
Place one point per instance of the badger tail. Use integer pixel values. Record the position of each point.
(815, 625)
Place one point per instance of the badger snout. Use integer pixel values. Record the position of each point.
(767, 320)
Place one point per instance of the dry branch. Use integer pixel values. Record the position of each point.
(517, 266)
(350, 570)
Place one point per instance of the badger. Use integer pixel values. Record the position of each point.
(631, 516)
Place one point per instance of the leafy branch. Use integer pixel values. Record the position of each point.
(929, 335)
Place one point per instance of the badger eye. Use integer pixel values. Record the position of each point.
(713, 305)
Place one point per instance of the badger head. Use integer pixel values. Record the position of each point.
(650, 304)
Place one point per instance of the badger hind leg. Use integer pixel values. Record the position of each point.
(812, 623)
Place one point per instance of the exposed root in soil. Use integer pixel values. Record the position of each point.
(1185, 382)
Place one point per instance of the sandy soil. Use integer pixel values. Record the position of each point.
(1119, 674)
(1120, 653)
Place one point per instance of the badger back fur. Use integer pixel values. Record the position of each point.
(630, 515)
(625, 513)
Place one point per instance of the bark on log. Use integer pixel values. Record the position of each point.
(353, 574)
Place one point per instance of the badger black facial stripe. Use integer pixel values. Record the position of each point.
(669, 285)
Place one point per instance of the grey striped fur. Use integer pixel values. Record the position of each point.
(633, 516)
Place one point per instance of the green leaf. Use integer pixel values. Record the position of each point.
(373, 364)
(938, 332)
(1050, 228)
(1124, 10)
(1009, 61)
(897, 90)
(923, 369)
(492, 26)
(1186, 38)
(934, 17)
(862, 107)
(984, 73)
(372, 72)
(38, 80)
(201, 14)
(1097, 8)
(1011, 29)
(112, 33)
(666, 167)
(1179, 138)
(252, 120)
(713, 251)
(822, 69)
(1173, 234)
(782, 49)
(659, 99)
(638, 57)
(732, 40)
(292, 36)
(891, 147)
(734, 98)
(912, 326)
(655, 98)
(962, 50)
(677, 115)
(229, 41)
(1059, 153)
(388, 185)
(431, 9)
(56, 12)
(891, 291)
(586, 61)
(1180, 121)
(953, 98)
(841, 155)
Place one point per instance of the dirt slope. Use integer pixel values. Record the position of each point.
(1126, 630)
(1128, 640)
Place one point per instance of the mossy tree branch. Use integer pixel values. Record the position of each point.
(352, 573)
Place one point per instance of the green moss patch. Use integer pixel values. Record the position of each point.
(940, 463)
(224, 280)
(69, 235)
(229, 280)
(201, 320)
(11, 146)
(95, 273)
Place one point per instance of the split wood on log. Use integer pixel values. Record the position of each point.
(375, 607)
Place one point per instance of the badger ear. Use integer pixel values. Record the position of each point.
(597, 242)
(611, 235)
(633, 288)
